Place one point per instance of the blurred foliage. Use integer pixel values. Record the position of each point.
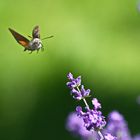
(99, 40)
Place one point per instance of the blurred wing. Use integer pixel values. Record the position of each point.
(19, 38)
(35, 32)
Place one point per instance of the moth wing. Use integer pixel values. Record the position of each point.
(19, 38)
(35, 32)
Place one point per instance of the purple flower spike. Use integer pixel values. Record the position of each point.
(75, 125)
(77, 90)
(93, 119)
(96, 104)
(109, 137)
(73, 82)
(80, 94)
(115, 116)
(117, 126)
(76, 94)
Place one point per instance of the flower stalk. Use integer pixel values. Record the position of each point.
(92, 118)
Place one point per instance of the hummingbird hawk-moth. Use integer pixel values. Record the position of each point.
(31, 45)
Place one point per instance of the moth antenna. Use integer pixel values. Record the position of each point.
(47, 37)
(30, 52)
(37, 51)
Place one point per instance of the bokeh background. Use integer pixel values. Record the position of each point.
(99, 40)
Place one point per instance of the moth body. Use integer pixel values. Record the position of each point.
(34, 44)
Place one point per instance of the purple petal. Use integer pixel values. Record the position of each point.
(84, 92)
(70, 76)
(78, 80)
(78, 109)
(96, 104)
(76, 94)
(108, 136)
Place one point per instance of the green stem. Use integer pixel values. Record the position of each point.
(100, 134)
(84, 99)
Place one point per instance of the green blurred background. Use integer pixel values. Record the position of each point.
(99, 40)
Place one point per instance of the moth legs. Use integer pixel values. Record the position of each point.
(30, 52)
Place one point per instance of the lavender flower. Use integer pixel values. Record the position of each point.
(117, 126)
(75, 125)
(74, 84)
(80, 94)
(92, 118)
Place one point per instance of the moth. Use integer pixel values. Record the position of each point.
(31, 45)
